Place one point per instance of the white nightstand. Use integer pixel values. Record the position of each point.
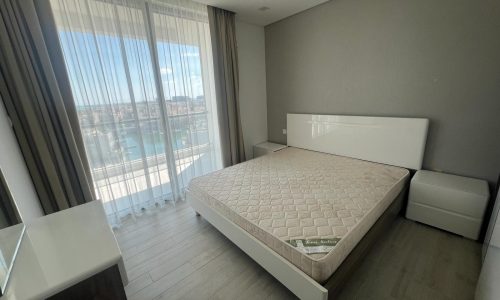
(449, 202)
(266, 148)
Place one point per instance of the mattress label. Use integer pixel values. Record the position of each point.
(312, 246)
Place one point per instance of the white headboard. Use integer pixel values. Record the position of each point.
(392, 141)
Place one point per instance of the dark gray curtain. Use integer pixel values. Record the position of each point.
(224, 48)
(35, 89)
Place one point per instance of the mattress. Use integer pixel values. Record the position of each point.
(296, 195)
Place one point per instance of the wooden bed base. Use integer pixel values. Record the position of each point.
(289, 275)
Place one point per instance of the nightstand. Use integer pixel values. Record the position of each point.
(453, 203)
(266, 148)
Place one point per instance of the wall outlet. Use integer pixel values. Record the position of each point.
(284, 131)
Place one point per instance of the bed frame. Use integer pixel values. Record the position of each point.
(392, 141)
(367, 138)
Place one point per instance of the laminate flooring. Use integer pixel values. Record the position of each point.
(173, 254)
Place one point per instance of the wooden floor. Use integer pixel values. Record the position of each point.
(172, 254)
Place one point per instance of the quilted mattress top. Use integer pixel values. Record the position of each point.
(293, 196)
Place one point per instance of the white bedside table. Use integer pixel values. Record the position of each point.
(449, 202)
(266, 148)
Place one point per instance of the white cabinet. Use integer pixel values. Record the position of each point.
(266, 148)
(449, 202)
(487, 285)
(62, 250)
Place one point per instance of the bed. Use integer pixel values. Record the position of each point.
(309, 212)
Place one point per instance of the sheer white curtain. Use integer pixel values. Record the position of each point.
(142, 77)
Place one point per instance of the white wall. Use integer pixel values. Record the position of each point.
(16, 173)
(487, 286)
(253, 101)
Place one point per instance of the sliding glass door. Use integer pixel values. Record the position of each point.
(141, 73)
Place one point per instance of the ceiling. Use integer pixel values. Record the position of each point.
(249, 10)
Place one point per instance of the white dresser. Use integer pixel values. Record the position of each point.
(69, 254)
(453, 203)
(266, 148)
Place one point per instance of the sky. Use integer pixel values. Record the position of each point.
(97, 69)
